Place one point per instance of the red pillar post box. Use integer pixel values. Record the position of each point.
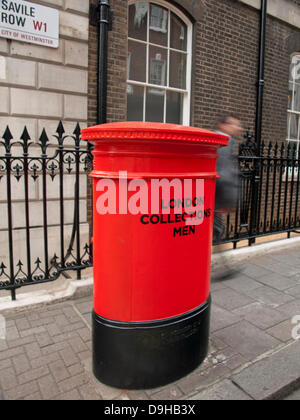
(152, 250)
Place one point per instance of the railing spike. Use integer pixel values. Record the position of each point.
(270, 149)
(25, 137)
(60, 129)
(7, 136)
(77, 133)
(77, 130)
(44, 140)
(60, 137)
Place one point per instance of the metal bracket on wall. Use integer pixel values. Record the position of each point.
(95, 18)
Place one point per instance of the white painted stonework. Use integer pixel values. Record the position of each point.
(39, 86)
(281, 9)
(41, 81)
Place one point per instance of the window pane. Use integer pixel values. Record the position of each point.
(138, 16)
(295, 69)
(158, 25)
(177, 70)
(178, 33)
(292, 73)
(174, 107)
(297, 98)
(293, 126)
(155, 105)
(158, 63)
(135, 103)
(291, 96)
(136, 61)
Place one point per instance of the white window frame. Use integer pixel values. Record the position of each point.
(293, 111)
(186, 112)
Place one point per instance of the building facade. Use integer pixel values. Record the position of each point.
(213, 46)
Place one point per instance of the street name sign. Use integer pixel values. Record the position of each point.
(29, 22)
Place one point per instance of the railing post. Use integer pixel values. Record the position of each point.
(25, 138)
(7, 138)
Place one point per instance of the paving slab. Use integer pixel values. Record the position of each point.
(282, 331)
(260, 315)
(269, 296)
(278, 281)
(254, 271)
(223, 391)
(247, 340)
(273, 377)
(230, 299)
(242, 283)
(294, 291)
(290, 309)
(46, 353)
(295, 396)
(279, 267)
(290, 259)
(221, 318)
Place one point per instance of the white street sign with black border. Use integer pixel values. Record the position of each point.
(29, 22)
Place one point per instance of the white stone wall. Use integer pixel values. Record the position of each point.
(280, 9)
(40, 86)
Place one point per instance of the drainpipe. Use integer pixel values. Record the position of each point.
(261, 71)
(254, 218)
(104, 22)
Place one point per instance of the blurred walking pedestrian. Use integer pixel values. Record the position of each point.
(227, 185)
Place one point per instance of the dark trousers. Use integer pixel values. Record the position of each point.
(219, 227)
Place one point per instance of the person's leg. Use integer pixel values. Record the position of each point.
(223, 271)
(219, 227)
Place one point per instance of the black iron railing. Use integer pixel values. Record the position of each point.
(46, 167)
(45, 230)
(268, 202)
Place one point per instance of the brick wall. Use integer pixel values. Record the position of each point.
(225, 60)
(226, 67)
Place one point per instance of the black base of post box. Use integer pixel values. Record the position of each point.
(144, 355)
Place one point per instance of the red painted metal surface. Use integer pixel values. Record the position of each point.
(149, 267)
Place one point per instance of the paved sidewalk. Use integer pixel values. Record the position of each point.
(47, 351)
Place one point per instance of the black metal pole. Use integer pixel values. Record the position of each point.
(261, 72)
(104, 9)
(256, 177)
